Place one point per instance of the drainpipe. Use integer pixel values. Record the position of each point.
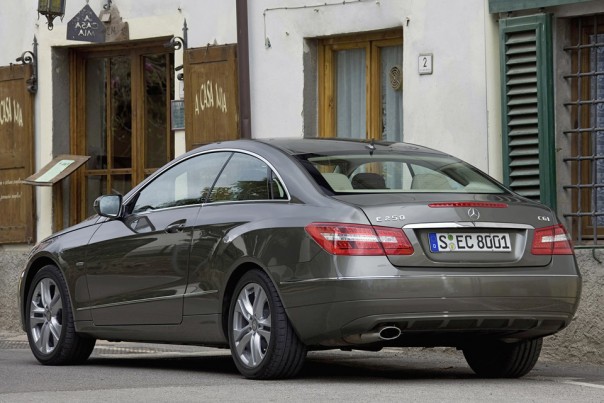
(243, 70)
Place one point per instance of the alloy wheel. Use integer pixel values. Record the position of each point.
(251, 331)
(46, 315)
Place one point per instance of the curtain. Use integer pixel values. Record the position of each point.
(392, 93)
(351, 102)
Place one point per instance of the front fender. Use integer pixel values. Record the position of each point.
(68, 253)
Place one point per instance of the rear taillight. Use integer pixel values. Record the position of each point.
(552, 240)
(359, 240)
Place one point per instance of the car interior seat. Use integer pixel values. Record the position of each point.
(368, 180)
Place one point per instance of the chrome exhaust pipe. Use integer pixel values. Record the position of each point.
(389, 332)
(382, 333)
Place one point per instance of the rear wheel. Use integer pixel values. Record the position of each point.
(49, 321)
(503, 360)
(262, 340)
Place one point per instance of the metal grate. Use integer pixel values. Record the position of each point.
(587, 133)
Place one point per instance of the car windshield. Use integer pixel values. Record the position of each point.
(384, 171)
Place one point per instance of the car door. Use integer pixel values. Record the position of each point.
(137, 266)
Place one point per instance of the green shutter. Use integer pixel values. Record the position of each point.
(505, 6)
(527, 102)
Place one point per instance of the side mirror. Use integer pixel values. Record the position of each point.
(108, 206)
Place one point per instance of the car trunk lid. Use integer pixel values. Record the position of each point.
(460, 230)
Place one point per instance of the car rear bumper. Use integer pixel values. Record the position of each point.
(431, 309)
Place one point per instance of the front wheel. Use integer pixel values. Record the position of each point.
(262, 340)
(49, 321)
(503, 360)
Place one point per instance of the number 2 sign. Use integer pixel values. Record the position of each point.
(425, 63)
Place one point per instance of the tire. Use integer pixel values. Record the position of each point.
(503, 360)
(262, 340)
(49, 321)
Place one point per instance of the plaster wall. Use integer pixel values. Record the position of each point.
(453, 109)
(17, 28)
(445, 110)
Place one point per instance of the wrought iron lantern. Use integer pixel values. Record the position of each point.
(51, 9)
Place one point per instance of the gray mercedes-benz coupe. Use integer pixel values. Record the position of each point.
(277, 247)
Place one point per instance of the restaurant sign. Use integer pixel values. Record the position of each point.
(86, 26)
(16, 155)
(211, 95)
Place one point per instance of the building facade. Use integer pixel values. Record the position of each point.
(512, 87)
(551, 54)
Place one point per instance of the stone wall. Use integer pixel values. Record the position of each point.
(12, 261)
(582, 341)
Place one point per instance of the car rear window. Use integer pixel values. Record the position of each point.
(381, 172)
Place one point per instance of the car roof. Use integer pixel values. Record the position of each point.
(296, 146)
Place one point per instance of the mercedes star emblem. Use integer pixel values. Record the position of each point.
(473, 214)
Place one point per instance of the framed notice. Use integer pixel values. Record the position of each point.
(56, 170)
(178, 114)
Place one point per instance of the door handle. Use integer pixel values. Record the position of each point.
(173, 228)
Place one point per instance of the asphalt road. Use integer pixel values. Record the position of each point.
(119, 372)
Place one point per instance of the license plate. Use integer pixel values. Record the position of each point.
(469, 242)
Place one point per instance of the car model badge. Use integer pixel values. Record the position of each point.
(474, 214)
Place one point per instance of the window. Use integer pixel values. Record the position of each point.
(246, 178)
(184, 184)
(386, 172)
(586, 134)
(360, 86)
(120, 107)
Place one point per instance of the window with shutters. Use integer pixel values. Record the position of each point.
(528, 129)
(586, 132)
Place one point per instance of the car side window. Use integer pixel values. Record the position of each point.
(277, 188)
(246, 178)
(184, 184)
